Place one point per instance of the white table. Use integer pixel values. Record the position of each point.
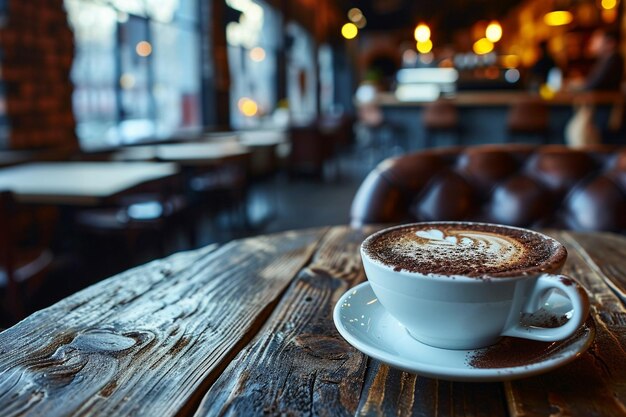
(184, 153)
(79, 183)
(262, 138)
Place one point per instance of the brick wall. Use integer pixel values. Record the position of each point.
(37, 51)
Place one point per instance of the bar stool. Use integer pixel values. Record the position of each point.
(529, 118)
(440, 116)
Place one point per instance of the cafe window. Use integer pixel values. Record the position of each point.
(136, 69)
(301, 75)
(253, 40)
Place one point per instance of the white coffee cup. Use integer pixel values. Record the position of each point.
(462, 312)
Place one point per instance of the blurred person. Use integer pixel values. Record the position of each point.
(606, 73)
(541, 69)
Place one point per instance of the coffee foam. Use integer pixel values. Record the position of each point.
(461, 249)
(494, 250)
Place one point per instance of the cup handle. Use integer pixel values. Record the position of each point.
(573, 291)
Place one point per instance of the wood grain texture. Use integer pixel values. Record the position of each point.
(391, 392)
(595, 384)
(596, 249)
(299, 364)
(246, 329)
(151, 340)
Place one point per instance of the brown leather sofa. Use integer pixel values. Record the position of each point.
(521, 185)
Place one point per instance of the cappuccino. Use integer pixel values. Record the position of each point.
(467, 249)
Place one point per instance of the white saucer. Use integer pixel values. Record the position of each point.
(367, 326)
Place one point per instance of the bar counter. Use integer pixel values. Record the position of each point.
(505, 98)
(483, 117)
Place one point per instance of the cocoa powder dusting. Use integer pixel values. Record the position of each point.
(513, 352)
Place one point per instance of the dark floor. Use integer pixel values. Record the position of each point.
(286, 203)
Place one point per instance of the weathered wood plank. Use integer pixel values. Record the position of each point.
(151, 340)
(593, 385)
(391, 392)
(299, 364)
(596, 249)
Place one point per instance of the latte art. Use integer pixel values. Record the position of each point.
(466, 246)
(468, 249)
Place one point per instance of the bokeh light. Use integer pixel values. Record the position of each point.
(143, 48)
(349, 31)
(422, 32)
(257, 54)
(493, 32)
(512, 75)
(558, 18)
(248, 107)
(127, 81)
(483, 46)
(609, 4)
(546, 92)
(425, 46)
(355, 14)
(510, 61)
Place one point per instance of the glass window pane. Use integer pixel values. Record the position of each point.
(188, 10)
(93, 72)
(252, 45)
(136, 103)
(136, 70)
(177, 78)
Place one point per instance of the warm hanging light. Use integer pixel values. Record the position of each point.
(494, 31)
(422, 32)
(425, 46)
(349, 31)
(608, 4)
(483, 46)
(558, 18)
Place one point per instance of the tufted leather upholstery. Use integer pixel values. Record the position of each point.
(521, 185)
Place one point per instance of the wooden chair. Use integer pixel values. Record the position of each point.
(309, 151)
(157, 210)
(22, 268)
(223, 188)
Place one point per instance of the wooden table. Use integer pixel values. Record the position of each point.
(78, 183)
(246, 329)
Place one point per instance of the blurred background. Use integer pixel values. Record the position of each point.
(132, 129)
